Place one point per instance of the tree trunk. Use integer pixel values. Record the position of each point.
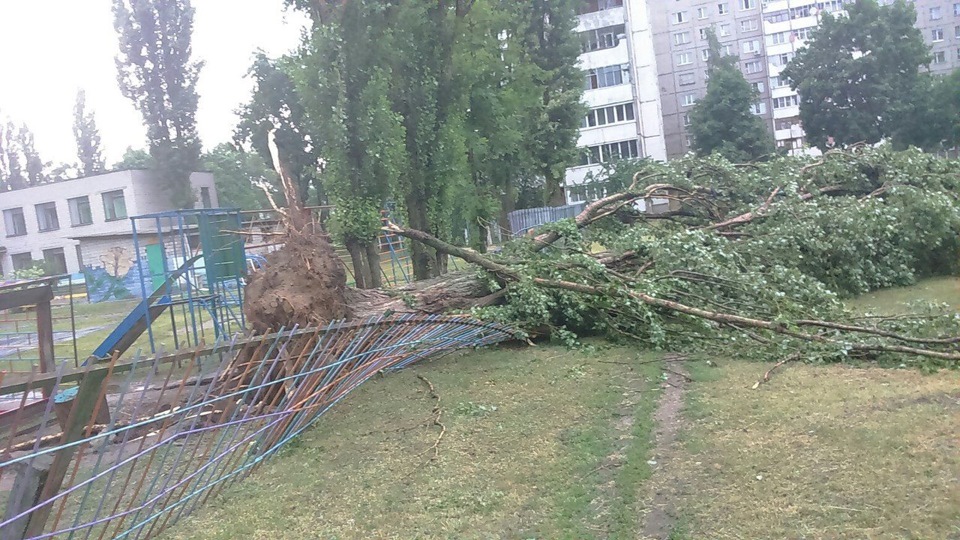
(422, 257)
(359, 267)
(373, 264)
(553, 190)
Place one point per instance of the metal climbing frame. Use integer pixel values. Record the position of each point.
(191, 265)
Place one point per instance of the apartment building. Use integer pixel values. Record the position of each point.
(939, 22)
(680, 40)
(645, 66)
(620, 88)
(72, 224)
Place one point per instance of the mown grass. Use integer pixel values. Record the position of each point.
(529, 431)
(823, 451)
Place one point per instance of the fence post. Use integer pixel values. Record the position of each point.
(31, 476)
(80, 415)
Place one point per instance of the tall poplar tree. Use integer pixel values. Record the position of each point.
(156, 71)
(87, 137)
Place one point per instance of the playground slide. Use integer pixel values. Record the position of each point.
(135, 324)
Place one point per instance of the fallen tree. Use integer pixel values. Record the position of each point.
(757, 253)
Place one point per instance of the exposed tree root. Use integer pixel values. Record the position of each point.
(437, 413)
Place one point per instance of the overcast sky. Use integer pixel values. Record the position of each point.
(51, 48)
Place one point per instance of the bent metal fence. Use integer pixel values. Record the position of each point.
(126, 449)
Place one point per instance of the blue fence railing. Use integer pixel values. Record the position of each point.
(126, 449)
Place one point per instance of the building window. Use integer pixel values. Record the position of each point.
(610, 152)
(723, 8)
(114, 205)
(748, 4)
(802, 34)
(702, 13)
(956, 32)
(602, 38)
(752, 46)
(782, 59)
(779, 82)
(779, 38)
(939, 57)
(726, 50)
(936, 34)
(689, 100)
(47, 217)
(759, 108)
(22, 261)
(609, 115)
(724, 30)
(592, 6)
(14, 222)
(679, 17)
(754, 66)
(686, 120)
(705, 55)
(684, 59)
(956, 10)
(784, 102)
(80, 211)
(703, 34)
(749, 25)
(686, 79)
(935, 14)
(54, 261)
(759, 87)
(681, 38)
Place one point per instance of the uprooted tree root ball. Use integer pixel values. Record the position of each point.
(303, 283)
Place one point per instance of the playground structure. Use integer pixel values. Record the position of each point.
(191, 264)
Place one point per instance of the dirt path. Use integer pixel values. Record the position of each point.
(659, 521)
(600, 521)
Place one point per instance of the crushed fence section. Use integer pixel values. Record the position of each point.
(126, 449)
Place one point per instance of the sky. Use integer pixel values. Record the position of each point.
(52, 48)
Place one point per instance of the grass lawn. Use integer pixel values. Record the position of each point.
(549, 443)
(540, 443)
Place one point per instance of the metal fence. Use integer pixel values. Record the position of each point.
(522, 221)
(126, 449)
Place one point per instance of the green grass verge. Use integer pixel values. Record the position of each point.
(528, 433)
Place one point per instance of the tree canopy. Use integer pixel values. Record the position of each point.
(450, 109)
(723, 121)
(156, 71)
(239, 176)
(859, 74)
(87, 137)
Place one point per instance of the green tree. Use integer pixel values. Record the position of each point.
(276, 105)
(11, 163)
(551, 46)
(87, 137)
(238, 176)
(156, 72)
(722, 121)
(134, 159)
(344, 81)
(859, 73)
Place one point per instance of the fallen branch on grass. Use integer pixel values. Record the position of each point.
(437, 412)
(766, 376)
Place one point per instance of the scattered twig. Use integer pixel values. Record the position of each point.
(766, 376)
(437, 412)
(684, 375)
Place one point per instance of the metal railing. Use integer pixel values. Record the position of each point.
(126, 449)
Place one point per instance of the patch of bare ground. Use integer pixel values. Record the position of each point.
(659, 520)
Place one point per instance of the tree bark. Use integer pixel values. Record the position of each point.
(375, 273)
(359, 267)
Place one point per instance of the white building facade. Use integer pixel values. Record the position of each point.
(49, 222)
(620, 76)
